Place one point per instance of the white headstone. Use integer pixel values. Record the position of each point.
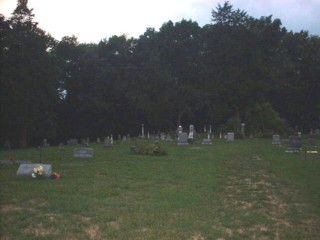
(230, 137)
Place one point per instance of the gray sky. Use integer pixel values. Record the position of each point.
(94, 20)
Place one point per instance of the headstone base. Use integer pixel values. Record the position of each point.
(206, 142)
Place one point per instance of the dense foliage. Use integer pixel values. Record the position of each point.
(235, 69)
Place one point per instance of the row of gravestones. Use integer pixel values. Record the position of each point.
(295, 144)
(184, 139)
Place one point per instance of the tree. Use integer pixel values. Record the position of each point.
(29, 79)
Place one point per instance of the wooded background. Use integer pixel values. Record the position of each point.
(234, 69)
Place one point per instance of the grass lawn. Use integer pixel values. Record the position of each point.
(248, 189)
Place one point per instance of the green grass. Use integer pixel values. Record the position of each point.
(247, 189)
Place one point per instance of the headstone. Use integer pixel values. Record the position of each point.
(124, 138)
(207, 141)
(311, 132)
(45, 143)
(316, 132)
(85, 142)
(142, 130)
(168, 138)
(205, 128)
(276, 140)
(111, 139)
(98, 140)
(26, 170)
(220, 135)
(242, 130)
(180, 129)
(107, 143)
(230, 137)
(72, 142)
(210, 129)
(191, 132)
(83, 153)
(295, 144)
(183, 139)
(163, 136)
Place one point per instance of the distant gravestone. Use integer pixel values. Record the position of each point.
(163, 136)
(191, 133)
(107, 143)
(83, 153)
(207, 141)
(183, 139)
(168, 138)
(26, 170)
(230, 137)
(295, 144)
(276, 140)
(72, 142)
(45, 143)
(316, 132)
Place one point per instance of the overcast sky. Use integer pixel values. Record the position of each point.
(94, 20)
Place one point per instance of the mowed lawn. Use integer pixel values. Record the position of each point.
(248, 189)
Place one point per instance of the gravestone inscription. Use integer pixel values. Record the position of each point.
(83, 153)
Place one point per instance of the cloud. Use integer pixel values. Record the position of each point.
(94, 20)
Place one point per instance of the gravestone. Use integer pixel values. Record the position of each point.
(276, 140)
(242, 126)
(83, 153)
(207, 141)
(85, 142)
(163, 136)
(191, 133)
(230, 137)
(183, 139)
(316, 132)
(295, 144)
(72, 142)
(107, 143)
(45, 143)
(168, 138)
(26, 170)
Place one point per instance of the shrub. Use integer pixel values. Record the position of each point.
(151, 149)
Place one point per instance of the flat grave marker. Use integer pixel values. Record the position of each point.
(26, 169)
(83, 153)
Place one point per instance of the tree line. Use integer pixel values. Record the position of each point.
(234, 69)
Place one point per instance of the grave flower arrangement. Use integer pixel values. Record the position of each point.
(37, 172)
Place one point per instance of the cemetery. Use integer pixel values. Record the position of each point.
(188, 131)
(209, 187)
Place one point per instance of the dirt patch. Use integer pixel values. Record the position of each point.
(40, 230)
(93, 232)
(197, 236)
(8, 208)
(116, 226)
(262, 206)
